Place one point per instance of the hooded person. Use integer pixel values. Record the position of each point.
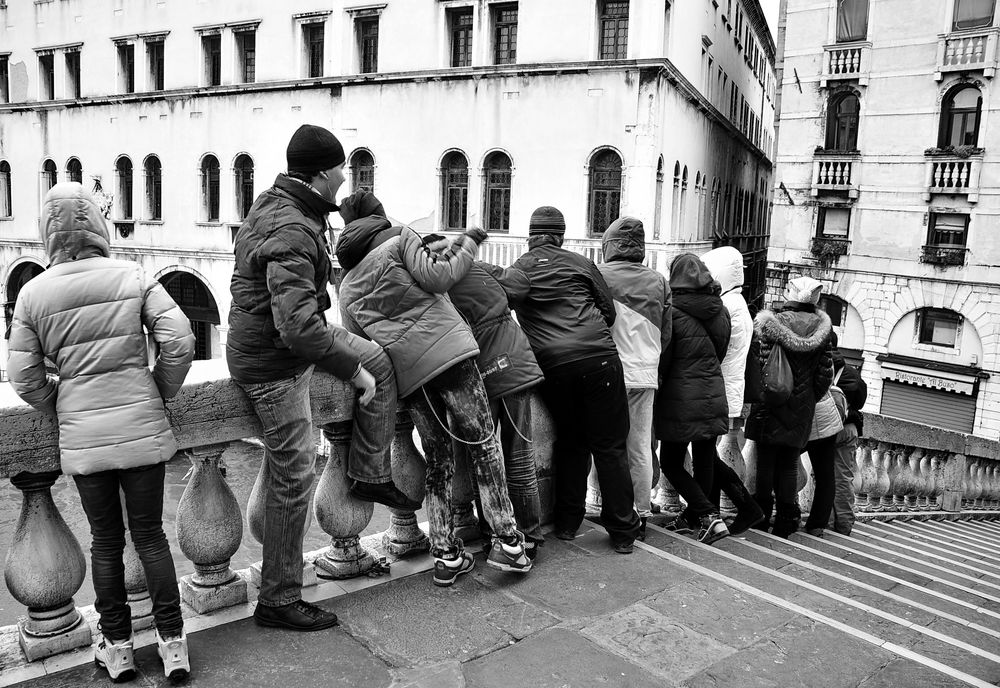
(782, 430)
(691, 406)
(855, 391)
(86, 314)
(394, 292)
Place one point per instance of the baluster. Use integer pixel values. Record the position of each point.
(994, 501)
(967, 485)
(979, 486)
(880, 488)
(858, 467)
(920, 470)
(936, 176)
(806, 483)
(593, 502)
(901, 481)
(729, 452)
(44, 569)
(937, 493)
(209, 532)
(963, 181)
(403, 536)
(750, 465)
(856, 62)
(867, 501)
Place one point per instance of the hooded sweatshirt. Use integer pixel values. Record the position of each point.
(642, 303)
(86, 315)
(691, 402)
(726, 265)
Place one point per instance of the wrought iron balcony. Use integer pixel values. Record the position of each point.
(953, 174)
(846, 62)
(943, 255)
(971, 50)
(835, 172)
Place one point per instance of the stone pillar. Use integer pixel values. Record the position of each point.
(868, 479)
(915, 484)
(340, 515)
(926, 482)
(937, 470)
(403, 536)
(209, 532)
(44, 569)
(951, 483)
(879, 490)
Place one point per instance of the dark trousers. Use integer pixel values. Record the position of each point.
(778, 472)
(727, 480)
(694, 489)
(589, 407)
(822, 455)
(143, 489)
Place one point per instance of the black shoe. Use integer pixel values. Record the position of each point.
(679, 525)
(712, 529)
(624, 546)
(531, 549)
(383, 493)
(297, 616)
(747, 516)
(565, 534)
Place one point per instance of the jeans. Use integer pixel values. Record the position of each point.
(640, 434)
(143, 489)
(843, 476)
(822, 454)
(290, 450)
(457, 397)
(589, 408)
(778, 471)
(694, 489)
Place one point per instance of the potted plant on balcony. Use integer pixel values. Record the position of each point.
(943, 256)
(827, 249)
(953, 151)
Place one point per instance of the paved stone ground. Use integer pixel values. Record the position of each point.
(584, 617)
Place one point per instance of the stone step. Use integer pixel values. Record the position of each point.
(949, 533)
(913, 535)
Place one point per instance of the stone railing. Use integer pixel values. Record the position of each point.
(953, 175)
(846, 62)
(835, 173)
(967, 51)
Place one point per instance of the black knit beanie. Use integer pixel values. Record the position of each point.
(547, 220)
(312, 149)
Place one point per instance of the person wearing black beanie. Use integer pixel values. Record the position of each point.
(315, 156)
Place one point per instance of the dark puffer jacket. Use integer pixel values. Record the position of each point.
(276, 323)
(855, 390)
(506, 361)
(691, 401)
(804, 332)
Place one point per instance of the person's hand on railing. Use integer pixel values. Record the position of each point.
(364, 381)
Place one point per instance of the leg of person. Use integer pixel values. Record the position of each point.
(748, 513)
(843, 469)
(672, 455)
(570, 455)
(703, 460)
(519, 465)
(786, 491)
(286, 418)
(369, 462)
(99, 494)
(640, 434)
(429, 411)
(764, 492)
(143, 489)
(822, 455)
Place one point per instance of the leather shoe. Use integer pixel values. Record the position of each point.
(383, 493)
(297, 616)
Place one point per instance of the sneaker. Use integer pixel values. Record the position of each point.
(679, 525)
(746, 518)
(531, 549)
(713, 529)
(624, 547)
(815, 532)
(297, 616)
(116, 659)
(447, 570)
(384, 493)
(509, 557)
(173, 651)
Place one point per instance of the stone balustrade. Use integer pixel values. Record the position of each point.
(968, 50)
(846, 62)
(952, 174)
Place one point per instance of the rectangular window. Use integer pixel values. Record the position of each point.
(972, 14)
(313, 38)
(246, 55)
(73, 74)
(126, 68)
(938, 327)
(368, 44)
(852, 20)
(211, 49)
(614, 30)
(834, 223)
(4, 79)
(461, 37)
(505, 34)
(154, 59)
(47, 77)
(948, 229)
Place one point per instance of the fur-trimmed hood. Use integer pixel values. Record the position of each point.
(795, 330)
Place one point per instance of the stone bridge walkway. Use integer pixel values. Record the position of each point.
(898, 604)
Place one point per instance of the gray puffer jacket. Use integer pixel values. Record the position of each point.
(86, 314)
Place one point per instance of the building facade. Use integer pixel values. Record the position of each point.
(888, 190)
(455, 112)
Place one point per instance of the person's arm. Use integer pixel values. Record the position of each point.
(26, 363)
(602, 294)
(515, 282)
(171, 330)
(667, 324)
(439, 272)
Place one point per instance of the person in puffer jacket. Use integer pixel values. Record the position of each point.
(691, 405)
(848, 379)
(86, 314)
(726, 265)
(394, 291)
(782, 431)
(641, 332)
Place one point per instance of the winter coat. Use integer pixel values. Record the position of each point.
(804, 333)
(394, 293)
(726, 265)
(855, 390)
(277, 325)
(86, 314)
(691, 401)
(826, 418)
(506, 361)
(565, 308)
(642, 303)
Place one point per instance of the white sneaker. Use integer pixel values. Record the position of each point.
(173, 651)
(116, 659)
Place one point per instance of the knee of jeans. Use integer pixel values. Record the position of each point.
(105, 542)
(148, 539)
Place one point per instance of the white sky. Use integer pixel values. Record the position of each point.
(770, 8)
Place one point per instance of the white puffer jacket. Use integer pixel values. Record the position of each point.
(726, 265)
(86, 314)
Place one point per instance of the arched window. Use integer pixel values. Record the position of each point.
(675, 202)
(605, 190)
(362, 170)
(960, 114)
(658, 203)
(497, 192)
(210, 188)
(50, 175)
(842, 123)
(123, 173)
(74, 171)
(243, 173)
(154, 188)
(6, 210)
(455, 191)
(973, 14)
(198, 304)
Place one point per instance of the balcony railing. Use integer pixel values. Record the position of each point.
(943, 255)
(968, 51)
(846, 62)
(835, 173)
(953, 175)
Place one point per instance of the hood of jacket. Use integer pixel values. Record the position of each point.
(726, 265)
(73, 227)
(795, 329)
(360, 204)
(625, 239)
(694, 289)
(359, 238)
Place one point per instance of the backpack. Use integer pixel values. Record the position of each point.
(777, 377)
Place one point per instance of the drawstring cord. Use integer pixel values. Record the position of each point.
(512, 423)
(488, 438)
